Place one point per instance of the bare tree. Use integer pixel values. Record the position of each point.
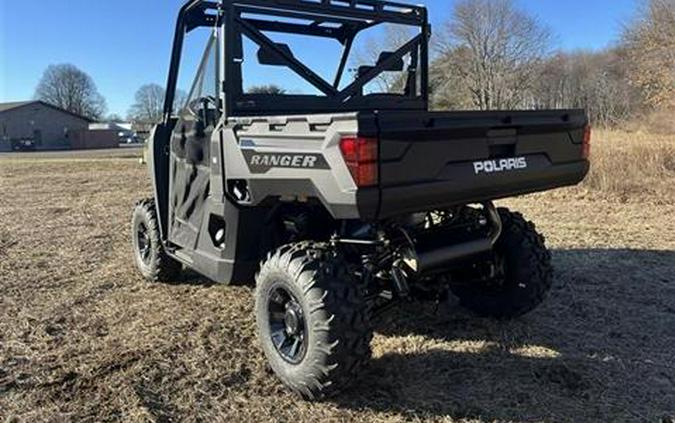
(69, 88)
(595, 81)
(649, 44)
(447, 81)
(149, 104)
(501, 48)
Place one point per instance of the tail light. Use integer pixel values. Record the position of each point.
(361, 156)
(586, 146)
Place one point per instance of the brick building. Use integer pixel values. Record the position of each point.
(47, 126)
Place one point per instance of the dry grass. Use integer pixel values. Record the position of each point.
(83, 338)
(654, 122)
(634, 165)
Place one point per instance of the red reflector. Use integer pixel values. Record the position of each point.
(361, 156)
(586, 147)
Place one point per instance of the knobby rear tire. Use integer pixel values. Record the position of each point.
(528, 273)
(336, 315)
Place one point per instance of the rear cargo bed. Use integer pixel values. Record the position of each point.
(437, 159)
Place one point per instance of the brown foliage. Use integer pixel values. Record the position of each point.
(492, 55)
(650, 52)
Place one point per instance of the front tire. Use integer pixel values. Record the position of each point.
(312, 320)
(525, 276)
(149, 255)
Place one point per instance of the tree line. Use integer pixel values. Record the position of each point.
(489, 55)
(492, 55)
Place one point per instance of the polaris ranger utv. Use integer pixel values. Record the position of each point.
(343, 201)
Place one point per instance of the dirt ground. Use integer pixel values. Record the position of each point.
(83, 338)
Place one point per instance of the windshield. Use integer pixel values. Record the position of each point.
(205, 87)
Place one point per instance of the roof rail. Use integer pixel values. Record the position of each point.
(349, 9)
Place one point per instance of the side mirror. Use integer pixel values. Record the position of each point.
(267, 56)
(362, 70)
(397, 66)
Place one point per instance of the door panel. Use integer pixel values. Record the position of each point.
(190, 155)
(190, 177)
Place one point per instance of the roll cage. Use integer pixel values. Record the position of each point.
(341, 20)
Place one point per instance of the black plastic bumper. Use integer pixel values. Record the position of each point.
(384, 203)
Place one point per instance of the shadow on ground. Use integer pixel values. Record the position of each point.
(600, 348)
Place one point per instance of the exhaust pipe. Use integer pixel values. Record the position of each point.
(424, 261)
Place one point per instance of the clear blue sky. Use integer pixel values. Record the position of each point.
(123, 44)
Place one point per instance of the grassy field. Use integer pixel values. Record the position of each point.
(83, 338)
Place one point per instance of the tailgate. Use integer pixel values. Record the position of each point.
(436, 159)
